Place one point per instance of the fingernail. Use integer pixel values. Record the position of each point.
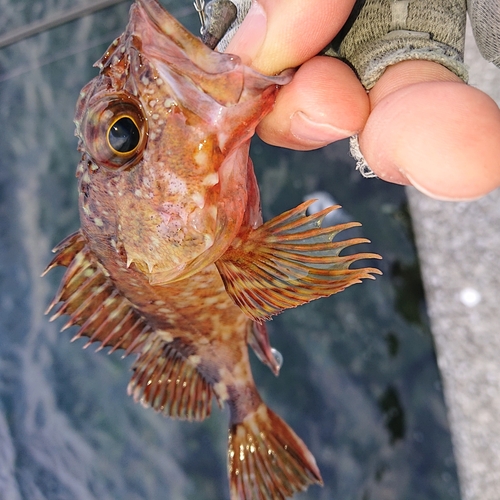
(306, 129)
(249, 38)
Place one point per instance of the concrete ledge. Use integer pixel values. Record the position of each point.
(459, 250)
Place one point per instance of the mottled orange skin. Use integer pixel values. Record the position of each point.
(158, 225)
(172, 262)
(200, 313)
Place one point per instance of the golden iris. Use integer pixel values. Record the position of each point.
(114, 131)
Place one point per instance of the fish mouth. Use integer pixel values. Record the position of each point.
(179, 56)
(195, 73)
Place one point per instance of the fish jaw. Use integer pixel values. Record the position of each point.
(176, 204)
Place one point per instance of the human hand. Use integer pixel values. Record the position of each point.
(419, 124)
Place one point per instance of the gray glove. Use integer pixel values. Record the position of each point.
(213, 20)
(383, 32)
(380, 33)
(485, 19)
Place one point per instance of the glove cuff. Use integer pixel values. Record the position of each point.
(385, 32)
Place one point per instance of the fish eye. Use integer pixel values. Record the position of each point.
(124, 135)
(114, 131)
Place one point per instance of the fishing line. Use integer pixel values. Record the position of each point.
(62, 18)
(54, 20)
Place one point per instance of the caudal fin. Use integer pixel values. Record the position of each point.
(267, 460)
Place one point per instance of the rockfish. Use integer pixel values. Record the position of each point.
(172, 262)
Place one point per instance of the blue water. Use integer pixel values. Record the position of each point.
(359, 382)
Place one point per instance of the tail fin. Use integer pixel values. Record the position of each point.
(267, 460)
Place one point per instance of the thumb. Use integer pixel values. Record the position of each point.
(280, 34)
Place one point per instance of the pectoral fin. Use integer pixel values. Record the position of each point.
(289, 261)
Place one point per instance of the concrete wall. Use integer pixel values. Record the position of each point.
(459, 249)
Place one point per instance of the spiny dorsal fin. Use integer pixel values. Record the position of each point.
(289, 261)
(165, 375)
(166, 378)
(92, 301)
(266, 459)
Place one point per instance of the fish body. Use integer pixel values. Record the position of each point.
(172, 262)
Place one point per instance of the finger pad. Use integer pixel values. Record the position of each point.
(327, 91)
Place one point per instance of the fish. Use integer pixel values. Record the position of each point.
(172, 263)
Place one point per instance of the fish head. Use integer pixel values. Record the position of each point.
(164, 131)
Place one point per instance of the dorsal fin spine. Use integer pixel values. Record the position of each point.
(67, 284)
(138, 339)
(111, 309)
(118, 328)
(87, 294)
(108, 322)
(89, 301)
(70, 285)
(65, 251)
(165, 377)
(92, 317)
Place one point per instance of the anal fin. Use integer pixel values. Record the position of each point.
(267, 460)
(288, 261)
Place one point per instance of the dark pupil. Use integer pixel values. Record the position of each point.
(124, 135)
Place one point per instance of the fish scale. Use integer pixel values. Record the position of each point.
(173, 263)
